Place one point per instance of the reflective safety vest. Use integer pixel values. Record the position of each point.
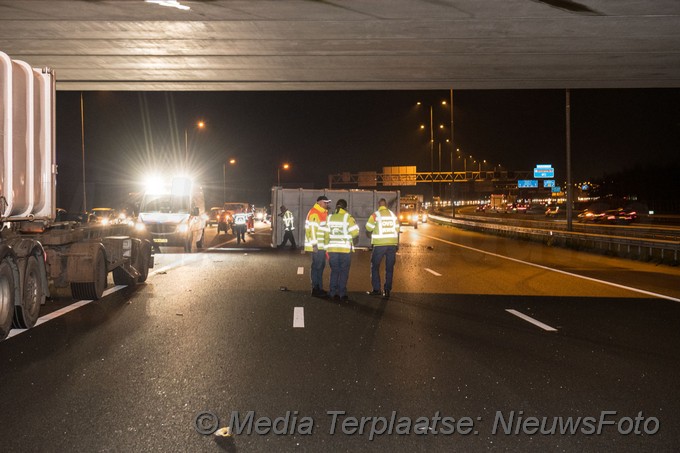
(288, 221)
(315, 228)
(241, 218)
(342, 228)
(385, 227)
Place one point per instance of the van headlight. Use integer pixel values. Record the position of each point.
(139, 226)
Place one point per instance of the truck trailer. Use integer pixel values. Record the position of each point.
(37, 252)
(360, 203)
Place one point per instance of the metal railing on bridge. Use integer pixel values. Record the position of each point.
(374, 179)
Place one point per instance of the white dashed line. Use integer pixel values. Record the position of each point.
(531, 320)
(299, 317)
(436, 274)
(301, 270)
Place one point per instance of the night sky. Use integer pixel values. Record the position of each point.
(130, 134)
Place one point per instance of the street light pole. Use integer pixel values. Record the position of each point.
(232, 161)
(278, 173)
(199, 125)
(82, 144)
(453, 146)
(431, 143)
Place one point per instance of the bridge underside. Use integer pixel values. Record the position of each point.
(347, 44)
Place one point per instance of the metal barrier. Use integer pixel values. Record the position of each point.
(663, 251)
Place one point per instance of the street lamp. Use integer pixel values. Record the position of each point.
(441, 128)
(285, 166)
(199, 125)
(231, 161)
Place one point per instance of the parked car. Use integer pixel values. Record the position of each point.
(105, 216)
(62, 215)
(227, 217)
(213, 215)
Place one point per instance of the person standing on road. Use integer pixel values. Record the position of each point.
(383, 226)
(240, 225)
(342, 231)
(288, 227)
(315, 233)
(251, 220)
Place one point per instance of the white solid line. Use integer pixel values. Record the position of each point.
(436, 274)
(301, 270)
(604, 282)
(299, 317)
(236, 249)
(531, 320)
(64, 310)
(185, 259)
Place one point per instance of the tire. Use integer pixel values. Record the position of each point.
(7, 297)
(144, 258)
(201, 241)
(26, 313)
(190, 245)
(120, 277)
(92, 290)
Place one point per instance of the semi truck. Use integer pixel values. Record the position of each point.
(38, 252)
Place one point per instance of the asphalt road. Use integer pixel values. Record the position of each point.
(480, 335)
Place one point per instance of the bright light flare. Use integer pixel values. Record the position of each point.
(153, 184)
(169, 3)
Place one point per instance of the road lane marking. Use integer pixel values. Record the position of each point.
(436, 274)
(185, 259)
(531, 320)
(236, 249)
(299, 317)
(64, 310)
(301, 270)
(571, 274)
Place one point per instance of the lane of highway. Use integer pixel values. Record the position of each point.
(218, 333)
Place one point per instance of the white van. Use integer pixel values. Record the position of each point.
(173, 214)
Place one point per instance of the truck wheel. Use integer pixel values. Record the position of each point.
(92, 290)
(27, 312)
(7, 296)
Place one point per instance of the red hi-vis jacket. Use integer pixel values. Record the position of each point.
(316, 228)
